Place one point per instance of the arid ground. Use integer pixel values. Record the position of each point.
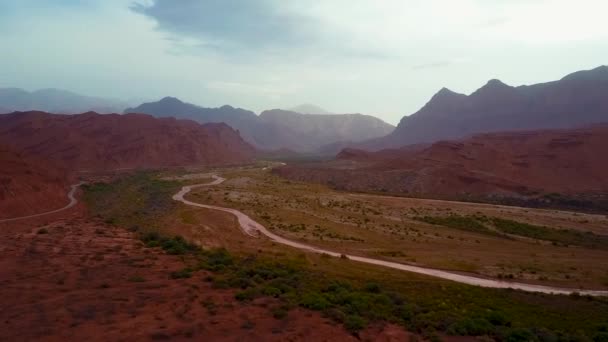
(130, 263)
(68, 276)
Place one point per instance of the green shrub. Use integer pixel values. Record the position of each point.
(245, 295)
(466, 223)
(314, 301)
(519, 335)
(557, 236)
(471, 327)
(181, 274)
(279, 312)
(216, 259)
(497, 318)
(175, 246)
(271, 291)
(372, 287)
(136, 279)
(600, 337)
(354, 323)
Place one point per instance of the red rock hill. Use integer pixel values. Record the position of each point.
(91, 141)
(29, 186)
(495, 164)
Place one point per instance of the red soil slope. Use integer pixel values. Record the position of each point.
(104, 142)
(82, 280)
(29, 186)
(496, 164)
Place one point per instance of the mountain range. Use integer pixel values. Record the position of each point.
(92, 141)
(515, 165)
(578, 99)
(275, 129)
(55, 101)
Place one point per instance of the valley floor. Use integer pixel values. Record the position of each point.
(536, 246)
(109, 268)
(255, 229)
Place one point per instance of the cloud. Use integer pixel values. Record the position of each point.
(248, 30)
(232, 25)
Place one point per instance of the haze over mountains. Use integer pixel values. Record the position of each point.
(275, 129)
(92, 141)
(308, 108)
(56, 101)
(577, 99)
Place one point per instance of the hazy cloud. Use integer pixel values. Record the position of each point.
(232, 25)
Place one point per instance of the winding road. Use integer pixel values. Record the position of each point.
(253, 228)
(71, 197)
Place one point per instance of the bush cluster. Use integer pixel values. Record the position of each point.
(455, 310)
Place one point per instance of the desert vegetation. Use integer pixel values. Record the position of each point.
(530, 245)
(356, 295)
(136, 201)
(439, 309)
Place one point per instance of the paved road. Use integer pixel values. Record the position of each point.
(253, 228)
(72, 203)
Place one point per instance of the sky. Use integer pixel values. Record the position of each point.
(379, 57)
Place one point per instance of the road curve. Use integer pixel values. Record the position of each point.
(72, 203)
(253, 228)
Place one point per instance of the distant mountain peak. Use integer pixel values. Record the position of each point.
(493, 87)
(308, 108)
(444, 95)
(445, 91)
(598, 74)
(442, 102)
(496, 83)
(171, 99)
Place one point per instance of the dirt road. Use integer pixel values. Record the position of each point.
(254, 229)
(71, 197)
